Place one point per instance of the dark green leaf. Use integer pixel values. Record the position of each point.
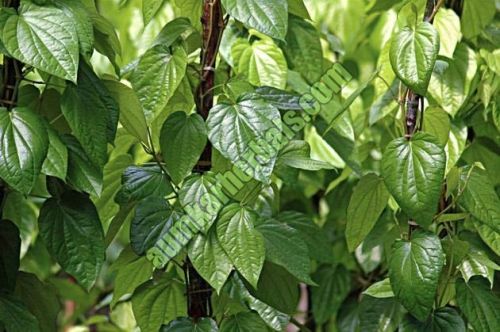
(379, 315)
(243, 322)
(442, 320)
(15, 316)
(10, 247)
(143, 182)
(187, 325)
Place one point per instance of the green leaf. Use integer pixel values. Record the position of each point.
(381, 289)
(157, 302)
(414, 269)
(479, 304)
(442, 320)
(368, 200)
(251, 128)
(182, 140)
(149, 9)
(476, 15)
(41, 300)
(451, 81)
(303, 49)
(174, 29)
(210, 259)
(413, 171)
(131, 114)
(296, 154)
(267, 16)
(413, 55)
(10, 247)
(489, 235)
(191, 9)
(56, 162)
(83, 174)
(281, 99)
(45, 38)
(153, 218)
(23, 145)
(263, 63)
(280, 240)
(157, 76)
(298, 8)
(185, 324)
(143, 182)
(479, 197)
(132, 271)
(242, 243)
(334, 286)
(243, 322)
(437, 123)
(379, 315)
(15, 316)
(447, 24)
(71, 230)
(456, 145)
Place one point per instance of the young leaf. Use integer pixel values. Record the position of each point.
(45, 38)
(413, 55)
(381, 289)
(267, 16)
(414, 269)
(413, 171)
(243, 244)
(182, 141)
(476, 15)
(447, 24)
(56, 162)
(23, 145)
(367, 202)
(71, 230)
(437, 123)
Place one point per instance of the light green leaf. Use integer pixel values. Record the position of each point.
(157, 76)
(15, 316)
(456, 145)
(182, 140)
(248, 133)
(368, 200)
(158, 301)
(149, 9)
(414, 269)
(381, 289)
(413, 171)
(267, 16)
(45, 38)
(298, 8)
(476, 15)
(379, 315)
(56, 162)
(131, 114)
(437, 123)
(143, 182)
(23, 147)
(263, 63)
(296, 154)
(489, 235)
(413, 55)
(132, 271)
(442, 320)
(185, 324)
(71, 230)
(477, 263)
(447, 23)
(191, 9)
(243, 322)
(209, 259)
(280, 240)
(479, 304)
(303, 49)
(10, 247)
(242, 243)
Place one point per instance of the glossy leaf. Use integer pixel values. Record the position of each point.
(56, 162)
(243, 322)
(442, 320)
(188, 325)
(143, 182)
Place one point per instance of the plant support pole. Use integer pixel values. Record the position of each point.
(198, 290)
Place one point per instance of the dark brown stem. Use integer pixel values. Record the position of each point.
(198, 290)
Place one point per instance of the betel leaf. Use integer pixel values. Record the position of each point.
(413, 54)
(334, 284)
(23, 147)
(263, 63)
(303, 49)
(143, 182)
(479, 197)
(368, 200)
(45, 38)
(15, 316)
(296, 154)
(243, 322)
(10, 247)
(241, 241)
(414, 269)
(476, 15)
(182, 140)
(479, 304)
(157, 76)
(185, 324)
(298, 8)
(381, 289)
(280, 240)
(442, 320)
(153, 218)
(173, 30)
(56, 162)
(281, 99)
(447, 24)
(413, 171)
(71, 230)
(379, 315)
(210, 259)
(437, 123)
(149, 9)
(267, 16)
(131, 114)
(158, 301)
(248, 133)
